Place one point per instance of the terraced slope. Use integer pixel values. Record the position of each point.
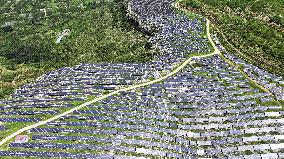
(215, 106)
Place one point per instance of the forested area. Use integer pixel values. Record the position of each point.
(98, 31)
(255, 28)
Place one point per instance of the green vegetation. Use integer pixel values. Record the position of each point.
(254, 28)
(99, 32)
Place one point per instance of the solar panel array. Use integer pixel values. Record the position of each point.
(271, 82)
(195, 113)
(207, 110)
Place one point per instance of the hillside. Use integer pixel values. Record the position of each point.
(251, 29)
(99, 32)
(194, 99)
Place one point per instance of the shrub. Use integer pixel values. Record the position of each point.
(8, 76)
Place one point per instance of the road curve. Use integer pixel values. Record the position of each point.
(176, 70)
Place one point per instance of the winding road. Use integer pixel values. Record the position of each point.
(173, 72)
(176, 70)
